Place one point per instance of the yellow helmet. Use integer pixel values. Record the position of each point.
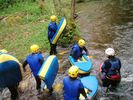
(73, 71)
(34, 48)
(81, 43)
(53, 18)
(4, 51)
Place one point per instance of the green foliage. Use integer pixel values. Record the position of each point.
(25, 23)
(7, 3)
(63, 8)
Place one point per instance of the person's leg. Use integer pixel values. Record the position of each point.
(38, 83)
(106, 83)
(115, 83)
(54, 49)
(14, 92)
(51, 49)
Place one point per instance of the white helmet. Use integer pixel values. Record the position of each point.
(110, 52)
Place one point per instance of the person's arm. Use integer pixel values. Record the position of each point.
(87, 53)
(119, 66)
(73, 51)
(24, 65)
(106, 66)
(41, 59)
(53, 27)
(51, 30)
(103, 67)
(82, 91)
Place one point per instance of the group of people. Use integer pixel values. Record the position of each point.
(35, 61)
(110, 69)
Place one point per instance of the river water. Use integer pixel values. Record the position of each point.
(103, 23)
(109, 23)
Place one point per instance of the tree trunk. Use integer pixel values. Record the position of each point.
(73, 8)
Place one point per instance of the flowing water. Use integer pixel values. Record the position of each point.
(103, 23)
(109, 23)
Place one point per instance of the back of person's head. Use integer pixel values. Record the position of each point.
(3, 51)
(34, 48)
(110, 52)
(53, 18)
(73, 71)
(81, 43)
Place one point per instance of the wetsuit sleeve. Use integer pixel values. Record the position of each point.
(52, 29)
(103, 67)
(82, 90)
(119, 65)
(41, 59)
(106, 66)
(73, 52)
(87, 53)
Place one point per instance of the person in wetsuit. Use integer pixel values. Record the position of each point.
(35, 61)
(110, 70)
(73, 86)
(78, 50)
(11, 73)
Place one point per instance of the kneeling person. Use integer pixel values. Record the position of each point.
(78, 50)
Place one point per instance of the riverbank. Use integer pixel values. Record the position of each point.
(25, 23)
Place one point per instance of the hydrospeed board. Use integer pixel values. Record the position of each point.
(49, 70)
(89, 83)
(10, 71)
(61, 27)
(84, 64)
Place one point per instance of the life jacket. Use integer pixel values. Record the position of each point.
(33, 61)
(52, 27)
(113, 72)
(77, 53)
(71, 88)
(10, 71)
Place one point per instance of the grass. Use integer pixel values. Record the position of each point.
(24, 24)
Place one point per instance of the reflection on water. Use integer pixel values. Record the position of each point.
(109, 23)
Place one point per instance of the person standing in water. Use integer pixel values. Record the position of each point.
(110, 69)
